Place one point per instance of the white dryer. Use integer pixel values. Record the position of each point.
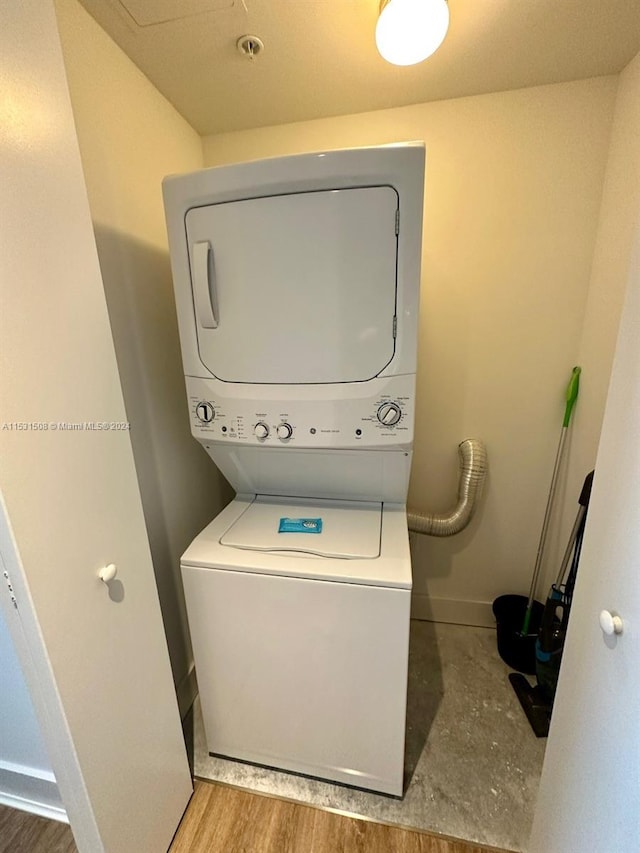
(297, 284)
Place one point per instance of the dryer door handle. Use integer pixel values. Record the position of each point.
(203, 290)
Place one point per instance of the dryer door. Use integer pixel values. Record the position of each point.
(297, 288)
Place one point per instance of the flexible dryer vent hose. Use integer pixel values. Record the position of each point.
(473, 467)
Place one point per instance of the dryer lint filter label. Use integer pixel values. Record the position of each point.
(300, 525)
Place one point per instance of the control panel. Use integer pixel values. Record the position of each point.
(381, 417)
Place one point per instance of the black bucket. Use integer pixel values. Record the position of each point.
(515, 650)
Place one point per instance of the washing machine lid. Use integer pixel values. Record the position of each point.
(343, 529)
(298, 288)
(392, 569)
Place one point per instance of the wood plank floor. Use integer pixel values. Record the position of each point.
(221, 819)
(26, 833)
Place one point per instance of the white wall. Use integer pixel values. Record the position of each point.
(513, 189)
(20, 738)
(589, 795)
(93, 656)
(130, 138)
(26, 778)
(617, 221)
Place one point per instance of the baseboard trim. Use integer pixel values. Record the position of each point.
(187, 691)
(31, 790)
(452, 610)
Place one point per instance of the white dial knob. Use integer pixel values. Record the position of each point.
(284, 431)
(205, 412)
(261, 430)
(610, 624)
(389, 414)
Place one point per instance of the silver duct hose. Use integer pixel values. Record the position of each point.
(473, 467)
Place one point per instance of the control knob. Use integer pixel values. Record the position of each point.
(389, 414)
(284, 431)
(205, 412)
(261, 430)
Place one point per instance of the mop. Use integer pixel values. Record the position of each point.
(537, 701)
(571, 397)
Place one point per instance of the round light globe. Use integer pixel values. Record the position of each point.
(409, 31)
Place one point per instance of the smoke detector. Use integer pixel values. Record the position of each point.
(250, 46)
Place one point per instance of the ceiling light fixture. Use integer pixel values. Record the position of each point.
(409, 31)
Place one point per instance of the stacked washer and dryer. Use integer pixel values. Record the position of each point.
(297, 284)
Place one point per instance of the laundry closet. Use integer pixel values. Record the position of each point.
(524, 221)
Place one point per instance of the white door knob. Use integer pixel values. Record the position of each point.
(610, 624)
(108, 573)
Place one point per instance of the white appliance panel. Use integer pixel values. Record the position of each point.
(398, 166)
(346, 415)
(297, 288)
(354, 475)
(307, 676)
(391, 569)
(347, 530)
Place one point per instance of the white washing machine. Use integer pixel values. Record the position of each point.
(297, 283)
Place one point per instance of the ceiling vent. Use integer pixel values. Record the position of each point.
(149, 13)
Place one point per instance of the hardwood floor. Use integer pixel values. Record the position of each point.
(25, 833)
(226, 820)
(221, 819)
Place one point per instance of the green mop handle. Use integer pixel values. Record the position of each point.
(571, 397)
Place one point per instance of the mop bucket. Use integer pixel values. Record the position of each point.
(516, 650)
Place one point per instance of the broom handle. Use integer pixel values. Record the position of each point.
(572, 542)
(545, 523)
(571, 397)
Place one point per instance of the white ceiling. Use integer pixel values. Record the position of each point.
(320, 57)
